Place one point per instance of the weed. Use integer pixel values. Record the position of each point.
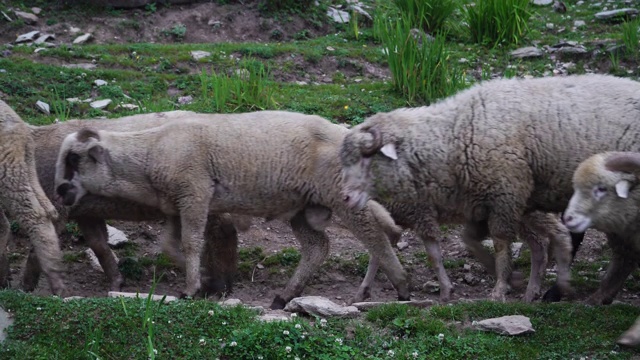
(429, 15)
(496, 22)
(177, 31)
(72, 228)
(286, 257)
(630, 38)
(72, 257)
(131, 268)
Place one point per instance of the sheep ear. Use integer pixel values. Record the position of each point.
(622, 188)
(390, 151)
(98, 154)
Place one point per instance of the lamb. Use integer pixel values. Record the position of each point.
(200, 166)
(91, 212)
(606, 197)
(23, 199)
(493, 154)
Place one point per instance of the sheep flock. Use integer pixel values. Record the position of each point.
(543, 160)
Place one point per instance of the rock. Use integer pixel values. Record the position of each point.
(567, 47)
(487, 243)
(506, 325)
(579, 23)
(515, 249)
(275, 315)
(542, 2)
(100, 82)
(43, 106)
(36, 10)
(6, 53)
(402, 245)
(27, 37)
(37, 50)
(338, 16)
(320, 306)
(129, 106)
(6, 16)
(82, 39)
(470, 279)
(231, 302)
(527, 52)
(42, 38)
(466, 267)
(214, 23)
(615, 13)
(115, 294)
(432, 286)
(86, 66)
(559, 7)
(199, 54)
(364, 306)
(357, 8)
(93, 259)
(28, 18)
(184, 100)
(71, 298)
(117, 238)
(73, 100)
(74, 30)
(5, 322)
(100, 104)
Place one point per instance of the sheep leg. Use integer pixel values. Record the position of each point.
(314, 250)
(502, 234)
(5, 229)
(554, 294)
(619, 268)
(32, 271)
(193, 222)
(364, 226)
(472, 236)
(429, 231)
(364, 291)
(631, 337)
(170, 241)
(221, 254)
(96, 234)
(539, 261)
(39, 193)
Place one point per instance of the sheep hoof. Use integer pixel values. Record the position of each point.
(117, 284)
(629, 338)
(278, 303)
(552, 295)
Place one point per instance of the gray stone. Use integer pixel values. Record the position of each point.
(100, 82)
(74, 30)
(6, 16)
(199, 54)
(28, 18)
(116, 236)
(515, 249)
(86, 66)
(470, 279)
(615, 13)
(128, 106)
(231, 302)
(100, 104)
(36, 10)
(43, 106)
(579, 23)
(44, 37)
(338, 16)
(487, 243)
(506, 325)
(275, 315)
(184, 100)
(402, 245)
(93, 259)
(568, 47)
(214, 23)
(527, 52)
(359, 10)
(542, 2)
(37, 50)
(366, 305)
(320, 306)
(116, 294)
(5, 322)
(71, 298)
(27, 37)
(82, 39)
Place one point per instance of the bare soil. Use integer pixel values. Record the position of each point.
(209, 22)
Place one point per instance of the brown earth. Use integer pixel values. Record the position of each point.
(244, 23)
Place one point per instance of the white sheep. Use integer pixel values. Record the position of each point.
(492, 154)
(607, 198)
(91, 212)
(271, 164)
(23, 199)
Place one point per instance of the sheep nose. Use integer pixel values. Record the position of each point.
(346, 198)
(567, 218)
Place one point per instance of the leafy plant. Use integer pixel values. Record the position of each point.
(630, 38)
(498, 21)
(429, 15)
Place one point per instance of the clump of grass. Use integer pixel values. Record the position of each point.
(429, 15)
(496, 22)
(630, 38)
(177, 31)
(419, 64)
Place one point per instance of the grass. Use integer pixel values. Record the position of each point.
(495, 22)
(120, 328)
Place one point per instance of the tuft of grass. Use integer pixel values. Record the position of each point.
(630, 38)
(428, 15)
(497, 22)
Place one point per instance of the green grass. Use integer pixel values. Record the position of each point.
(120, 328)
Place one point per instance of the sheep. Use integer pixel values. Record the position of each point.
(91, 212)
(23, 199)
(492, 154)
(606, 197)
(272, 164)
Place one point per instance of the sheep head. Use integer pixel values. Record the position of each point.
(82, 166)
(365, 152)
(605, 195)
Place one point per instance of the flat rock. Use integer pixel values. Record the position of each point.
(28, 18)
(115, 294)
(184, 100)
(615, 13)
(366, 305)
(516, 247)
(116, 237)
(74, 30)
(320, 306)
(338, 16)
(5, 322)
(199, 54)
(542, 2)
(100, 104)
(27, 37)
(506, 325)
(402, 245)
(71, 298)
(36, 10)
(86, 66)
(129, 106)
(82, 39)
(43, 107)
(231, 302)
(100, 82)
(275, 315)
(43, 38)
(527, 52)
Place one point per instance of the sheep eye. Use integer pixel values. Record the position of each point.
(73, 160)
(599, 191)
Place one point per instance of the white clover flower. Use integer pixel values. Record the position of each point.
(339, 341)
(260, 357)
(224, 323)
(38, 308)
(294, 315)
(286, 332)
(202, 342)
(296, 358)
(440, 337)
(415, 354)
(391, 353)
(233, 343)
(155, 351)
(288, 349)
(298, 326)
(211, 312)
